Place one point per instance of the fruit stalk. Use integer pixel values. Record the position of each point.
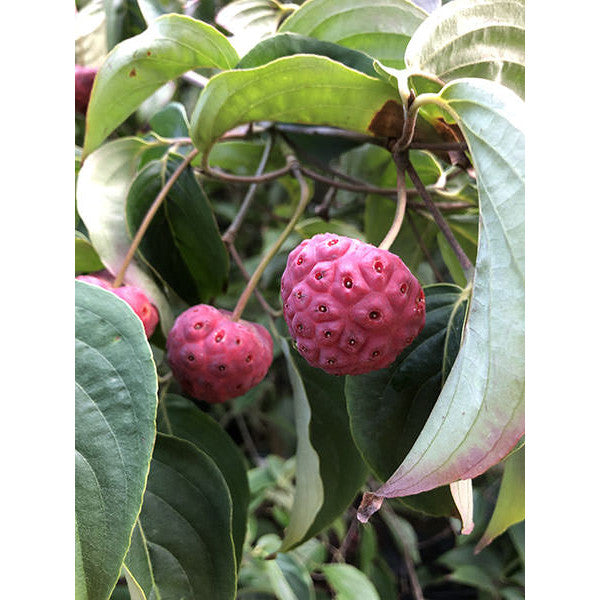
(302, 204)
(392, 234)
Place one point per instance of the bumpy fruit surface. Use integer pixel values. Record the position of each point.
(214, 358)
(138, 301)
(350, 307)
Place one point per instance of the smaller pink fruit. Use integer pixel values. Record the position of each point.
(214, 358)
(133, 295)
(84, 81)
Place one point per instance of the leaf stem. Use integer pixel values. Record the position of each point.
(392, 234)
(465, 263)
(150, 215)
(302, 204)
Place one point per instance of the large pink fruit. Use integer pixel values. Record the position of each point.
(214, 358)
(135, 297)
(350, 307)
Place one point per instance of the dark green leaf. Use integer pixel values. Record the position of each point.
(182, 547)
(180, 417)
(115, 409)
(138, 66)
(123, 20)
(194, 265)
(288, 44)
(171, 121)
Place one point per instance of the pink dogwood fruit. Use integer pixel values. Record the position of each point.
(214, 358)
(350, 307)
(133, 295)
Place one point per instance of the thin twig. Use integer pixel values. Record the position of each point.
(248, 442)
(340, 554)
(238, 261)
(423, 247)
(150, 215)
(302, 204)
(222, 175)
(232, 230)
(441, 146)
(465, 263)
(329, 132)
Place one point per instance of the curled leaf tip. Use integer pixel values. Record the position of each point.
(462, 493)
(369, 505)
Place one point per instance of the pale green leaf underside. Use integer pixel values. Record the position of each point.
(102, 188)
(308, 498)
(138, 66)
(349, 583)
(479, 415)
(300, 89)
(380, 28)
(473, 38)
(115, 410)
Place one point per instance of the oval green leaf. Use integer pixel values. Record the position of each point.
(86, 257)
(379, 28)
(115, 410)
(510, 506)
(138, 66)
(195, 266)
(473, 38)
(299, 89)
(479, 416)
(349, 583)
(180, 417)
(102, 188)
(329, 468)
(182, 546)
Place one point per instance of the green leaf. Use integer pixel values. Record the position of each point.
(479, 416)
(195, 266)
(123, 20)
(115, 409)
(252, 20)
(314, 225)
(138, 66)
(288, 44)
(380, 28)
(180, 417)
(389, 407)
(152, 9)
(182, 546)
(473, 38)
(102, 188)
(349, 583)
(86, 258)
(451, 261)
(329, 469)
(300, 89)
(171, 121)
(510, 506)
(290, 580)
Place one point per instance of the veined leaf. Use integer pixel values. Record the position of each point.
(329, 469)
(510, 506)
(479, 415)
(115, 409)
(182, 546)
(379, 28)
(195, 266)
(473, 38)
(300, 89)
(102, 187)
(138, 66)
(349, 583)
(180, 417)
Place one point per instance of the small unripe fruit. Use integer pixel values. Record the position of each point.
(214, 358)
(350, 307)
(84, 81)
(133, 295)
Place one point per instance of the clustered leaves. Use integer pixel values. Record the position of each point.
(216, 138)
